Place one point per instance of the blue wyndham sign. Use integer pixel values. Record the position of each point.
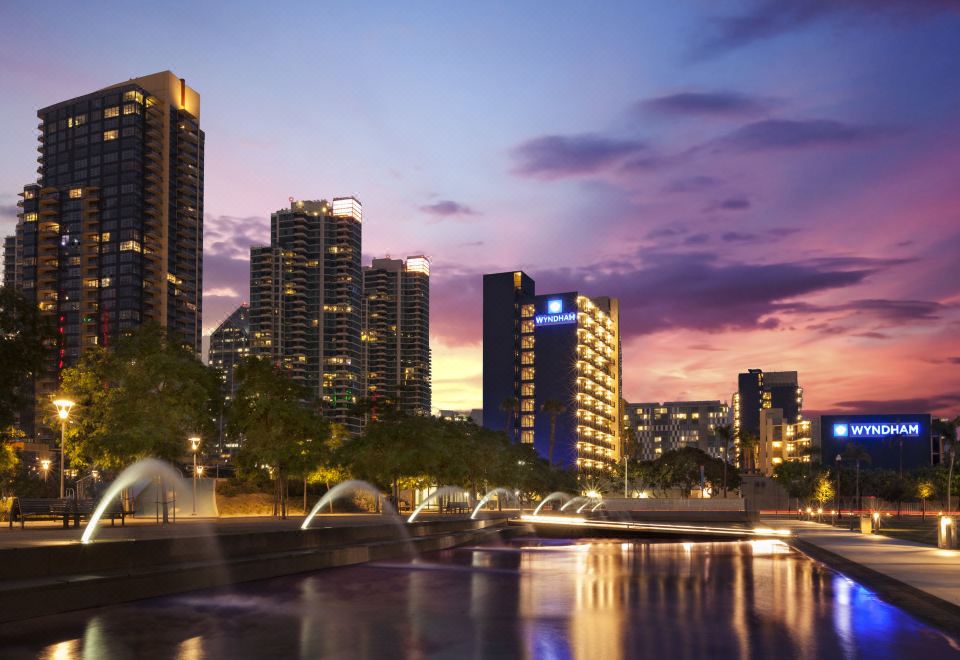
(875, 430)
(555, 319)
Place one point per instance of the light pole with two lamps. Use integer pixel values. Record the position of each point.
(195, 445)
(64, 406)
(839, 459)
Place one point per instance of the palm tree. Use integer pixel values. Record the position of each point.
(946, 429)
(553, 409)
(725, 433)
(511, 406)
(856, 453)
(748, 445)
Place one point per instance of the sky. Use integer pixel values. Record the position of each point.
(765, 184)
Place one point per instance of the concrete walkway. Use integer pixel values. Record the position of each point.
(930, 570)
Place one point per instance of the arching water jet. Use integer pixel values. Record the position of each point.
(148, 467)
(339, 491)
(486, 498)
(556, 495)
(440, 492)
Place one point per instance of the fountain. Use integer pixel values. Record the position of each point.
(440, 492)
(574, 500)
(338, 491)
(486, 498)
(148, 467)
(552, 496)
(598, 505)
(588, 503)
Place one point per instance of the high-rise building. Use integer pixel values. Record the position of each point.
(229, 346)
(663, 427)
(111, 235)
(553, 362)
(757, 391)
(10, 261)
(781, 441)
(305, 301)
(396, 333)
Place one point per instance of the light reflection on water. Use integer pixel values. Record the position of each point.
(530, 599)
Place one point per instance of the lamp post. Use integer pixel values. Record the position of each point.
(64, 406)
(839, 459)
(45, 466)
(195, 445)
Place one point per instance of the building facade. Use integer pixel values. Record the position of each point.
(10, 261)
(757, 391)
(396, 333)
(305, 301)
(893, 441)
(111, 234)
(229, 346)
(662, 427)
(781, 441)
(552, 367)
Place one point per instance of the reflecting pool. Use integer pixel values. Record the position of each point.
(530, 598)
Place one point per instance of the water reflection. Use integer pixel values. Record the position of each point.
(531, 599)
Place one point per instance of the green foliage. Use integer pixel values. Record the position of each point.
(680, 468)
(823, 490)
(414, 451)
(24, 336)
(795, 478)
(143, 398)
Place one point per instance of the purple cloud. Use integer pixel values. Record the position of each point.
(446, 208)
(771, 18)
(717, 104)
(934, 404)
(558, 156)
(232, 236)
(729, 204)
(771, 134)
(692, 184)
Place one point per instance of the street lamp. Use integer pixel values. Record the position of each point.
(45, 466)
(64, 406)
(194, 446)
(839, 459)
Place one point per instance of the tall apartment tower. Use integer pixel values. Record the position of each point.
(229, 346)
(558, 351)
(757, 391)
(10, 261)
(396, 332)
(111, 235)
(305, 301)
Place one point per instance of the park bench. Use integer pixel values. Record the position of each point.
(84, 509)
(64, 509)
(40, 509)
(457, 507)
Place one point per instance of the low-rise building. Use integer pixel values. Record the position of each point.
(662, 427)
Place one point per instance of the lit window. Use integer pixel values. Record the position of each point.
(91, 284)
(526, 389)
(527, 405)
(526, 311)
(526, 373)
(106, 281)
(29, 217)
(526, 421)
(127, 246)
(526, 342)
(76, 193)
(526, 357)
(131, 108)
(110, 135)
(133, 95)
(526, 437)
(526, 327)
(111, 112)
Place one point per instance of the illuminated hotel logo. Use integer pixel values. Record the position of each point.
(555, 314)
(874, 430)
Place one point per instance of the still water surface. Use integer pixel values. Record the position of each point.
(528, 599)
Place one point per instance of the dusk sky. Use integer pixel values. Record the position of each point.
(770, 184)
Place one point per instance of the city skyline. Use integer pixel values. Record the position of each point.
(741, 219)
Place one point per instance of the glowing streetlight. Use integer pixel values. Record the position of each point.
(194, 446)
(64, 406)
(45, 466)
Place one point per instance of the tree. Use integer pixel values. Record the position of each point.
(553, 409)
(724, 433)
(141, 399)
(511, 406)
(946, 430)
(795, 479)
(856, 453)
(924, 490)
(823, 489)
(681, 468)
(25, 336)
(280, 424)
(748, 448)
